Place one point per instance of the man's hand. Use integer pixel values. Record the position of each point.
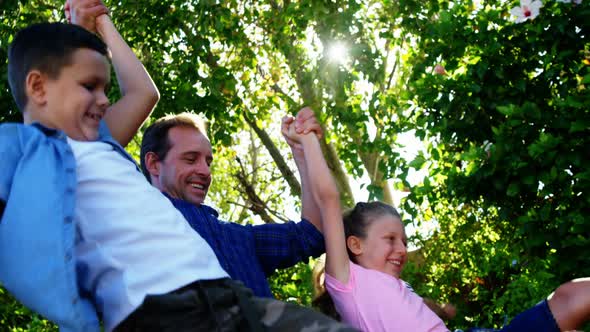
(304, 123)
(289, 133)
(85, 12)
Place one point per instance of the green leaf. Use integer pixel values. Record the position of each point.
(513, 190)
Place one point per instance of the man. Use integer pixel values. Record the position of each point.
(176, 156)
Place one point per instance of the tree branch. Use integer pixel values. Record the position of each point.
(257, 205)
(276, 156)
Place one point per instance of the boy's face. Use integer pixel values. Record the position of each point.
(76, 101)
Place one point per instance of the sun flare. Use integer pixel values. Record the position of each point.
(338, 52)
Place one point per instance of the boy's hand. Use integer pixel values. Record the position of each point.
(84, 12)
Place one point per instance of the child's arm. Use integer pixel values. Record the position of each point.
(326, 195)
(139, 93)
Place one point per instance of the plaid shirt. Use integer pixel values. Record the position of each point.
(250, 253)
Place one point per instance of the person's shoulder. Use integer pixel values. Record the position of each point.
(361, 272)
(13, 139)
(11, 133)
(212, 215)
(375, 276)
(12, 127)
(210, 211)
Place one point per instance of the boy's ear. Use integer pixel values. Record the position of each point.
(35, 87)
(152, 163)
(354, 245)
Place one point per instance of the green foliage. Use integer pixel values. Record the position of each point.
(15, 15)
(294, 284)
(15, 318)
(508, 175)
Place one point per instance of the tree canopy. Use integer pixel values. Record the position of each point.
(498, 102)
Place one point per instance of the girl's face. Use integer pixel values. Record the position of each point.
(384, 247)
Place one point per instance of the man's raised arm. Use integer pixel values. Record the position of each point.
(305, 122)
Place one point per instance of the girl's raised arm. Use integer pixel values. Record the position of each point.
(327, 197)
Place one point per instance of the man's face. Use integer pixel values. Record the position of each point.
(185, 172)
(76, 101)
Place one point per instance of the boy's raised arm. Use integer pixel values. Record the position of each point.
(139, 93)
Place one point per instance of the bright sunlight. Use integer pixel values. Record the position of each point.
(337, 52)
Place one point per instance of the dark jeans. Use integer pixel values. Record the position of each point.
(223, 305)
(536, 319)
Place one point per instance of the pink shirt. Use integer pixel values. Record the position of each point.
(374, 301)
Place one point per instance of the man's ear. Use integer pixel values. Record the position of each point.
(354, 245)
(152, 163)
(35, 87)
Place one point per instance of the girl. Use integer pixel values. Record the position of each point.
(366, 254)
(366, 288)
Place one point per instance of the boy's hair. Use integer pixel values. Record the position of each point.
(47, 47)
(358, 219)
(156, 140)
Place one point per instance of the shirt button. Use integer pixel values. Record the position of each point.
(69, 190)
(68, 220)
(74, 301)
(68, 256)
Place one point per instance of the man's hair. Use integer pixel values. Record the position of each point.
(156, 140)
(47, 47)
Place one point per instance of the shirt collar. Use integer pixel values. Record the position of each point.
(103, 131)
(205, 207)
(49, 131)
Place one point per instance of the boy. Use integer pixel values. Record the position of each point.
(82, 232)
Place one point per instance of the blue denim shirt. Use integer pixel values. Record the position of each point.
(37, 231)
(251, 253)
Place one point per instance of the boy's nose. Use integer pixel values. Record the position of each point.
(102, 100)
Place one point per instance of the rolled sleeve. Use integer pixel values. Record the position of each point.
(284, 245)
